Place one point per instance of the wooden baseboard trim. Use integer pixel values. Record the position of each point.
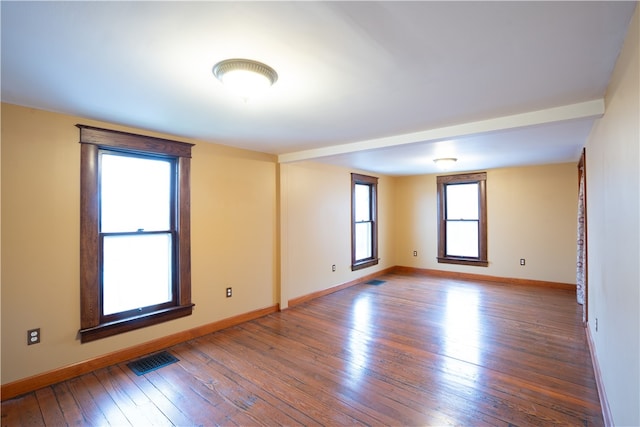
(27, 385)
(299, 300)
(473, 276)
(604, 402)
(19, 387)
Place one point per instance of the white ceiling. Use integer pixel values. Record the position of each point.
(380, 86)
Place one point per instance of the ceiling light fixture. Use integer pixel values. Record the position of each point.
(245, 77)
(445, 163)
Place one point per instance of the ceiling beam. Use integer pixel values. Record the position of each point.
(582, 110)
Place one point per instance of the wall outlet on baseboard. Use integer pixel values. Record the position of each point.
(333, 267)
(415, 253)
(522, 261)
(229, 292)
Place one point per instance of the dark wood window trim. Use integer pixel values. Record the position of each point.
(372, 182)
(93, 139)
(442, 182)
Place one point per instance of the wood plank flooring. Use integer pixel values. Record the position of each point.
(412, 351)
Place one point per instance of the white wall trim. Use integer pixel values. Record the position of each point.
(604, 402)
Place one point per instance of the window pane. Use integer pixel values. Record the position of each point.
(462, 201)
(363, 240)
(135, 194)
(362, 205)
(136, 271)
(462, 238)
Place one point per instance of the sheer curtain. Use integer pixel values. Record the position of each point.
(581, 259)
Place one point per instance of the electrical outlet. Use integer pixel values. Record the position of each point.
(333, 267)
(415, 253)
(33, 336)
(522, 261)
(229, 293)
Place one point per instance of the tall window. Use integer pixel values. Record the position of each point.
(364, 221)
(134, 232)
(462, 219)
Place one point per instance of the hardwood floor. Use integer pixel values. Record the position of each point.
(411, 351)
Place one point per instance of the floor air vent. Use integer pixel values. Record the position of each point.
(376, 282)
(151, 363)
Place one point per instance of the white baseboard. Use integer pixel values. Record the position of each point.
(604, 402)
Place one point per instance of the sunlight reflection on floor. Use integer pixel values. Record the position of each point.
(359, 337)
(461, 332)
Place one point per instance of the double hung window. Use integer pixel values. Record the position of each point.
(364, 224)
(462, 219)
(134, 243)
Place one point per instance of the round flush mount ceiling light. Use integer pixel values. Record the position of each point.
(245, 77)
(445, 163)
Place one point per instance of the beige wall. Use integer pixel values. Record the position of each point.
(613, 216)
(233, 222)
(531, 214)
(270, 231)
(316, 228)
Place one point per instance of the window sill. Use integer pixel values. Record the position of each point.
(463, 261)
(125, 325)
(364, 264)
